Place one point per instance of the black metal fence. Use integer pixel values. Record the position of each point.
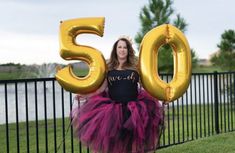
(34, 113)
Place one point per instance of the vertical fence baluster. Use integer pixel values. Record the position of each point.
(223, 92)
(212, 103)
(27, 116)
(231, 100)
(6, 113)
(234, 96)
(208, 105)
(168, 118)
(200, 105)
(36, 115)
(196, 128)
(178, 120)
(182, 106)
(63, 122)
(191, 108)
(80, 144)
(220, 102)
(168, 124)
(45, 115)
(71, 127)
(163, 133)
(216, 103)
(187, 116)
(54, 115)
(228, 100)
(204, 105)
(80, 147)
(87, 150)
(173, 122)
(17, 118)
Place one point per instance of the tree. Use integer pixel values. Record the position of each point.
(156, 13)
(225, 58)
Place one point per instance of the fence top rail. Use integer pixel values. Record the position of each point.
(202, 73)
(210, 73)
(53, 79)
(27, 80)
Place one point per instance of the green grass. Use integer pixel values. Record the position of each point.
(206, 69)
(41, 137)
(222, 143)
(184, 123)
(84, 72)
(9, 75)
(183, 132)
(16, 75)
(25, 75)
(80, 72)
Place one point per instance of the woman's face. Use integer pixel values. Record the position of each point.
(122, 51)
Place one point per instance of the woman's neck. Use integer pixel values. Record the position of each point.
(121, 63)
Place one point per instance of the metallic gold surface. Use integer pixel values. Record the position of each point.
(152, 41)
(69, 50)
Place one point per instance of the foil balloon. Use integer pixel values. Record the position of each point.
(152, 41)
(69, 50)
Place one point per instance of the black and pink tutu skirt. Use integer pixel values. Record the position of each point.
(108, 126)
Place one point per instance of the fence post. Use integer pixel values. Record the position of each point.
(216, 105)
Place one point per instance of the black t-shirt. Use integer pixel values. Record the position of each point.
(122, 85)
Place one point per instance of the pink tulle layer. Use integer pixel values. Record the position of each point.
(108, 126)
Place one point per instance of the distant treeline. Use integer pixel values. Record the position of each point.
(23, 71)
(10, 64)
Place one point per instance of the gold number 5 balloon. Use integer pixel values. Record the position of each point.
(69, 50)
(152, 41)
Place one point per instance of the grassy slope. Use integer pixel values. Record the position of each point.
(222, 143)
(206, 69)
(24, 75)
(82, 72)
(51, 129)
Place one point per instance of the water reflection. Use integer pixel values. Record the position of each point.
(42, 96)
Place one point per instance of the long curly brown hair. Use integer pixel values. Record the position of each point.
(131, 62)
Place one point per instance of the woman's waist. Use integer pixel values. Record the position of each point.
(123, 99)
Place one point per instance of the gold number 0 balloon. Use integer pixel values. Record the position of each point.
(69, 50)
(152, 41)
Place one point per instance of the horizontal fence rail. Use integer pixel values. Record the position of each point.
(34, 113)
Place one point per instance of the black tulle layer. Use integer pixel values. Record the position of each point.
(109, 126)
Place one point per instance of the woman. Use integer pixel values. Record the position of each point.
(121, 119)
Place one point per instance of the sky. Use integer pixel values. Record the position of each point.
(29, 30)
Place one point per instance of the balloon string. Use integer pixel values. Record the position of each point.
(162, 124)
(67, 129)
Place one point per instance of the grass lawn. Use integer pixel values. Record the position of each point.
(26, 75)
(222, 143)
(53, 137)
(206, 69)
(84, 72)
(178, 129)
(10, 75)
(186, 123)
